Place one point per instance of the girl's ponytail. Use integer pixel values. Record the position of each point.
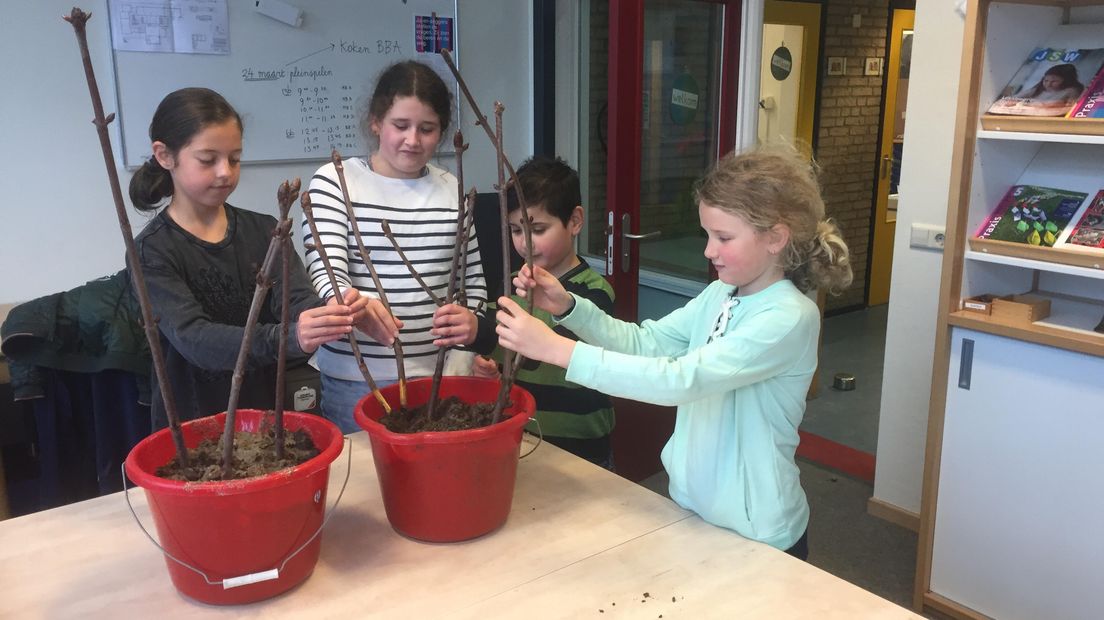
(150, 185)
(827, 261)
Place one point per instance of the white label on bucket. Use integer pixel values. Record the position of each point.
(244, 580)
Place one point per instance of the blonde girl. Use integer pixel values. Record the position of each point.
(737, 360)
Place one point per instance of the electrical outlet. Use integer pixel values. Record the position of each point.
(927, 236)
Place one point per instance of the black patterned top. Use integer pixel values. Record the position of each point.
(201, 292)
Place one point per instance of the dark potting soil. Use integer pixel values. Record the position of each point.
(452, 414)
(254, 455)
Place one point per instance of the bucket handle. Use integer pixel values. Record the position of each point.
(242, 580)
(540, 438)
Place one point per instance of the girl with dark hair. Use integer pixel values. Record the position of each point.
(408, 114)
(200, 257)
(1058, 85)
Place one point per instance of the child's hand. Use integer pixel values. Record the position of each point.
(371, 317)
(519, 331)
(317, 326)
(484, 367)
(548, 294)
(454, 325)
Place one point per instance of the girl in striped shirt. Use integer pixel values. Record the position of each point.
(407, 116)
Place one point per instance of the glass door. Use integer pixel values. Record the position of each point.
(891, 149)
(659, 90)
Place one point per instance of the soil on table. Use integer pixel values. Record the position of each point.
(254, 455)
(452, 414)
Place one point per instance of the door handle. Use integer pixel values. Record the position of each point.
(654, 233)
(626, 225)
(886, 161)
(966, 364)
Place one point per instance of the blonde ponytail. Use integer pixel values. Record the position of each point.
(827, 261)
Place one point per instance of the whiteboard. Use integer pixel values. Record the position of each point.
(299, 90)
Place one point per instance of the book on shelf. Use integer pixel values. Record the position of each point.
(1050, 82)
(1031, 214)
(1091, 103)
(1089, 229)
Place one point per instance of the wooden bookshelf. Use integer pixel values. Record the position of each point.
(1040, 332)
(1046, 125)
(1089, 258)
(992, 376)
(1036, 265)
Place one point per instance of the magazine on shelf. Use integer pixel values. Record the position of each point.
(1089, 230)
(1050, 82)
(1031, 214)
(1091, 103)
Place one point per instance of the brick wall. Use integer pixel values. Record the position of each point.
(847, 143)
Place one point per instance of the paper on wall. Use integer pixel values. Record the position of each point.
(180, 26)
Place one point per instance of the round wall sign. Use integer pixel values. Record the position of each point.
(781, 63)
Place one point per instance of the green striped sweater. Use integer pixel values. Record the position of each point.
(564, 409)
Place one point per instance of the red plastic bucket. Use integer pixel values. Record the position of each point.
(447, 486)
(238, 527)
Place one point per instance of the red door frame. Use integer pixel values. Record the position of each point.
(626, 88)
(643, 429)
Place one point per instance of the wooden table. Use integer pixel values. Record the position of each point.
(579, 542)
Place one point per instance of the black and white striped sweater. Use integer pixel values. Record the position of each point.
(422, 215)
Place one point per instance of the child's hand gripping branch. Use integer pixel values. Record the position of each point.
(454, 325)
(519, 331)
(332, 321)
(323, 324)
(371, 317)
(485, 367)
(317, 326)
(548, 293)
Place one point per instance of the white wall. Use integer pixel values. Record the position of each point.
(60, 227)
(914, 289)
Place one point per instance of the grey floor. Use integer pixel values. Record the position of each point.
(852, 343)
(844, 540)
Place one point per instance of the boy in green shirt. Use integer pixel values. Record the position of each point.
(574, 418)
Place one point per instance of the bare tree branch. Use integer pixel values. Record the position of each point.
(365, 256)
(78, 19)
(304, 200)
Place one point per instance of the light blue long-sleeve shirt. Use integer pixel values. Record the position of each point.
(740, 398)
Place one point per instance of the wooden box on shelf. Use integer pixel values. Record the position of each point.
(1021, 309)
(981, 304)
